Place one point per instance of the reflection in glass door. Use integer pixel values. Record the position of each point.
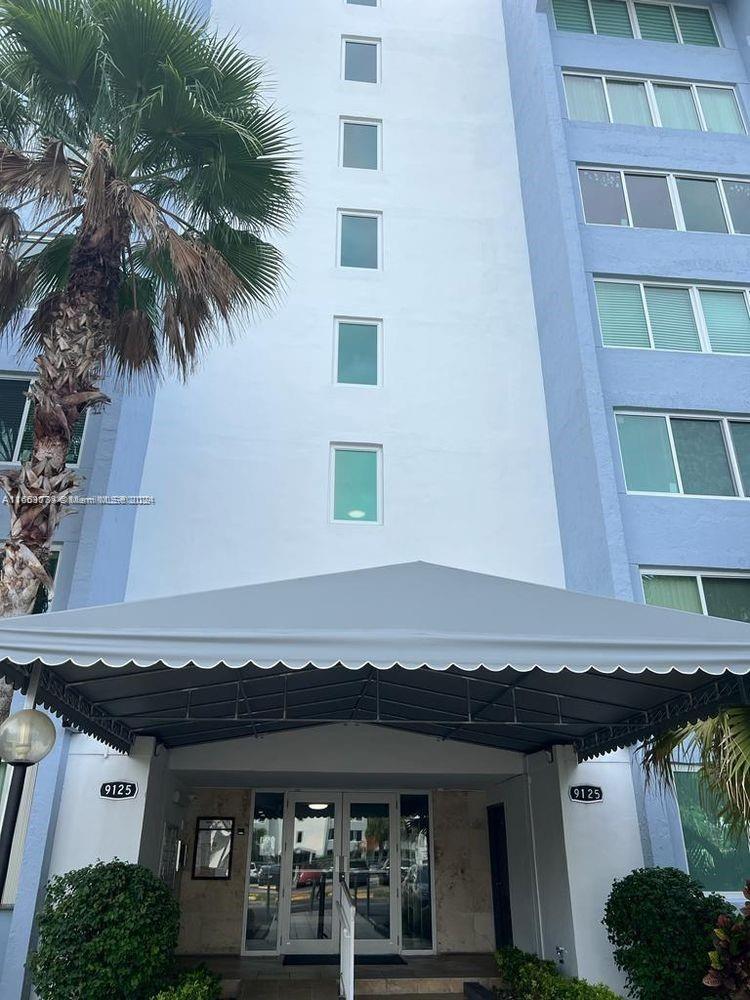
(370, 825)
(309, 872)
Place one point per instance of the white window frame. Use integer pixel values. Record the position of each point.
(360, 214)
(337, 321)
(636, 28)
(362, 40)
(355, 446)
(377, 123)
(672, 177)
(723, 419)
(15, 460)
(695, 301)
(650, 84)
(371, 6)
(695, 574)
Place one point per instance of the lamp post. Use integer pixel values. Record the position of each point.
(25, 738)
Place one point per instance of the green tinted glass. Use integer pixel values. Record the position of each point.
(611, 18)
(12, 403)
(655, 22)
(701, 205)
(672, 321)
(629, 103)
(727, 597)
(677, 107)
(646, 453)
(355, 485)
(702, 458)
(572, 15)
(720, 110)
(696, 26)
(741, 437)
(359, 241)
(357, 354)
(586, 99)
(738, 198)
(716, 858)
(677, 592)
(621, 315)
(727, 321)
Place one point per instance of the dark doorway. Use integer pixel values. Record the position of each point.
(499, 872)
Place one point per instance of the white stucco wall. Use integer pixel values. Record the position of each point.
(238, 460)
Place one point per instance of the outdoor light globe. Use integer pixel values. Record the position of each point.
(26, 737)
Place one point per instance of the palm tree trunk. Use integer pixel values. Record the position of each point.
(69, 365)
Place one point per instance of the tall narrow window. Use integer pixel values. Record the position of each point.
(621, 315)
(360, 146)
(727, 320)
(656, 22)
(357, 353)
(265, 872)
(696, 26)
(416, 876)
(603, 197)
(359, 241)
(672, 320)
(720, 110)
(650, 204)
(740, 431)
(701, 205)
(646, 453)
(716, 857)
(587, 101)
(738, 198)
(356, 484)
(677, 107)
(361, 61)
(702, 458)
(629, 102)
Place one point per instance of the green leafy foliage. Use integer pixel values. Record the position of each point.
(730, 958)
(106, 932)
(198, 984)
(660, 924)
(526, 977)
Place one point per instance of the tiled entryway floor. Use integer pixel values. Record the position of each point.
(430, 977)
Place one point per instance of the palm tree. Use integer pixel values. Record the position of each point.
(141, 172)
(720, 749)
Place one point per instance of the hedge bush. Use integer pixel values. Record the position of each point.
(527, 977)
(106, 932)
(660, 924)
(198, 984)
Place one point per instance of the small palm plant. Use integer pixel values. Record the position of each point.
(141, 173)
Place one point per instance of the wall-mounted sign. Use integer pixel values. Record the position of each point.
(586, 793)
(118, 790)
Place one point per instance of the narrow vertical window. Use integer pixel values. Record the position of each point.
(360, 61)
(265, 872)
(629, 103)
(740, 431)
(672, 319)
(355, 484)
(360, 145)
(727, 320)
(720, 110)
(12, 412)
(696, 26)
(357, 353)
(359, 241)
(701, 205)
(646, 454)
(603, 198)
(621, 315)
(650, 204)
(677, 107)
(587, 101)
(702, 458)
(738, 198)
(416, 875)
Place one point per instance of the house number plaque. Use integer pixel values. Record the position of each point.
(118, 790)
(586, 793)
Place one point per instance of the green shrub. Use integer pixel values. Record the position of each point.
(660, 924)
(106, 932)
(730, 958)
(198, 984)
(526, 977)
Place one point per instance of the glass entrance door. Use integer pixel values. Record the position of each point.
(327, 835)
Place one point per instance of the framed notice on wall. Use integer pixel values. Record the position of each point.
(214, 842)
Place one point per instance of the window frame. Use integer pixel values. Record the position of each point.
(650, 84)
(672, 177)
(363, 40)
(723, 420)
(377, 123)
(353, 3)
(694, 288)
(360, 214)
(636, 28)
(379, 499)
(695, 574)
(363, 321)
(15, 461)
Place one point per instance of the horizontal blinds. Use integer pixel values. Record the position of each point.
(696, 26)
(720, 110)
(672, 321)
(586, 99)
(611, 18)
(12, 403)
(621, 315)
(572, 15)
(727, 321)
(655, 22)
(678, 592)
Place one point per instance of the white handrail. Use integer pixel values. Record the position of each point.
(347, 916)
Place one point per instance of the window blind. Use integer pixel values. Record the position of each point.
(727, 321)
(621, 315)
(611, 18)
(586, 100)
(12, 402)
(720, 110)
(696, 26)
(655, 22)
(572, 15)
(677, 592)
(672, 321)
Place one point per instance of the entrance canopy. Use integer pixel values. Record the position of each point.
(427, 648)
